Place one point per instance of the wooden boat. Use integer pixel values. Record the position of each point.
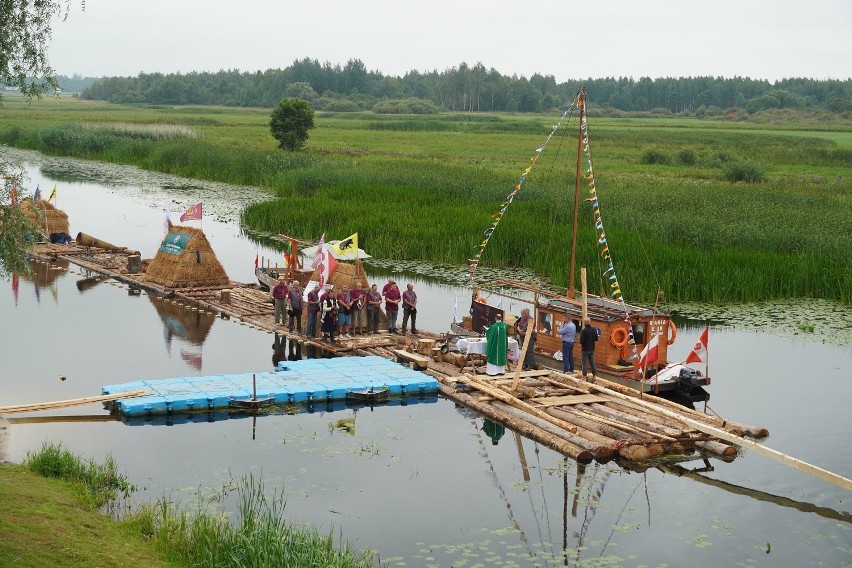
(624, 330)
(369, 395)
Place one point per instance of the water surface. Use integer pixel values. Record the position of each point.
(421, 483)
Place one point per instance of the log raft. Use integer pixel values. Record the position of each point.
(587, 422)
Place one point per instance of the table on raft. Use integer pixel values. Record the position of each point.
(292, 382)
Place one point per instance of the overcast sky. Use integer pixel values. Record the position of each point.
(765, 39)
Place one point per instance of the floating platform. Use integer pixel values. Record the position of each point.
(293, 382)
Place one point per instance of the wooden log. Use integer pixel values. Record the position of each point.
(642, 421)
(591, 435)
(635, 422)
(529, 430)
(795, 463)
(424, 346)
(717, 448)
(601, 451)
(636, 431)
(602, 428)
(508, 398)
(417, 361)
(728, 425)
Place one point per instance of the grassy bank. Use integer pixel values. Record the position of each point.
(50, 517)
(425, 188)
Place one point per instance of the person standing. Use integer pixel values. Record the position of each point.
(588, 338)
(279, 297)
(524, 325)
(374, 301)
(313, 309)
(392, 300)
(344, 311)
(358, 302)
(296, 306)
(497, 347)
(328, 304)
(568, 333)
(390, 282)
(409, 309)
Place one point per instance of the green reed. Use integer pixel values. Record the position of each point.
(424, 187)
(102, 481)
(258, 535)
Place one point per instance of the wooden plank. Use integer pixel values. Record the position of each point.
(798, 464)
(35, 407)
(420, 361)
(566, 400)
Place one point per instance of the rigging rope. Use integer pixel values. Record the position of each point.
(473, 263)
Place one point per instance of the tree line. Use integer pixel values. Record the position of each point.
(353, 87)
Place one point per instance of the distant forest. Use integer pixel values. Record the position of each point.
(469, 88)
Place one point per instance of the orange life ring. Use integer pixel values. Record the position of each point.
(480, 299)
(673, 336)
(618, 332)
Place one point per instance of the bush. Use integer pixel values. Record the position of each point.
(687, 157)
(410, 105)
(655, 156)
(744, 170)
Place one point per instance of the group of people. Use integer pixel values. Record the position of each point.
(346, 312)
(497, 344)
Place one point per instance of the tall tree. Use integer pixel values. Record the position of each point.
(291, 120)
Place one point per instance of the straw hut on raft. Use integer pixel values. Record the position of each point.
(185, 259)
(45, 216)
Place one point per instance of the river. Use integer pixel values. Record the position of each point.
(421, 482)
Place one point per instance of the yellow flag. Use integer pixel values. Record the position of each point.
(349, 245)
(52, 193)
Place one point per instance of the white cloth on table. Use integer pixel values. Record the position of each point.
(477, 345)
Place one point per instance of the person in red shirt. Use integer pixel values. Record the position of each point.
(344, 315)
(392, 301)
(279, 295)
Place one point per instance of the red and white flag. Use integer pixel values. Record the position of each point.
(650, 353)
(193, 213)
(699, 352)
(325, 262)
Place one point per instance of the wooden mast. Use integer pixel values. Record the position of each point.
(581, 105)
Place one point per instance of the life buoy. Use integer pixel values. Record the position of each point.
(480, 299)
(618, 337)
(673, 336)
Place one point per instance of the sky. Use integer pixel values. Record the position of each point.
(762, 39)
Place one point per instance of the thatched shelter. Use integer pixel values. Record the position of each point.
(186, 260)
(45, 216)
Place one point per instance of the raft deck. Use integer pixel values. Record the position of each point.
(293, 382)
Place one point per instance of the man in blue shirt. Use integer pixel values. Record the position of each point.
(568, 333)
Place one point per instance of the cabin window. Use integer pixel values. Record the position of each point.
(547, 323)
(639, 333)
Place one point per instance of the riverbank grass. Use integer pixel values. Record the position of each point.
(51, 517)
(50, 522)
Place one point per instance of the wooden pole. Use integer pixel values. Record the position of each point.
(581, 105)
(522, 457)
(790, 461)
(520, 364)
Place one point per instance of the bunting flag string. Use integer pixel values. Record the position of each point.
(609, 273)
(473, 263)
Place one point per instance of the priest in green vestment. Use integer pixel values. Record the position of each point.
(497, 348)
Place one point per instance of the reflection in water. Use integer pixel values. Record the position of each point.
(188, 324)
(42, 275)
